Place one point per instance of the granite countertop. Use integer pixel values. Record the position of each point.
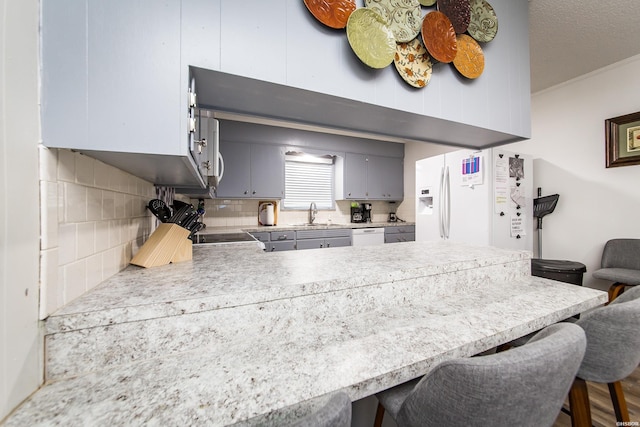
(241, 336)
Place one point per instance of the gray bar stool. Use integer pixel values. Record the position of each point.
(620, 264)
(613, 353)
(524, 386)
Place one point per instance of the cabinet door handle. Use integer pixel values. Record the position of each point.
(328, 244)
(253, 192)
(246, 192)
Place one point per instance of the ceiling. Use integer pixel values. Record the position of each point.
(569, 38)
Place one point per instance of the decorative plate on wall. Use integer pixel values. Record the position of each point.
(427, 2)
(458, 12)
(404, 17)
(332, 13)
(439, 37)
(413, 63)
(370, 38)
(470, 58)
(484, 22)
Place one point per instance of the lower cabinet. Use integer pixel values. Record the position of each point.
(401, 233)
(315, 239)
(277, 240)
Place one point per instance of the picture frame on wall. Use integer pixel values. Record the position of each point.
(622, 139)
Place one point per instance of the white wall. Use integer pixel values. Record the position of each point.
(596, 204)
(20, 341)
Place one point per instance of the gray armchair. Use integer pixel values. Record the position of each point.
(620, 264)
(524, 386)
(613, 352)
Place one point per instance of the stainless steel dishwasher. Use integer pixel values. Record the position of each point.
(367, 236)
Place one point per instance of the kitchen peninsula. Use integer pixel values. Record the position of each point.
(238, 335)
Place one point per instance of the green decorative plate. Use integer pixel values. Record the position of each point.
(370, 38)
(427, 2)
(413, 63)
(404, 17)
(484, 23)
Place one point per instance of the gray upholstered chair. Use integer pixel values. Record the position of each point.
(613, 352)
(524, 386)
(336, 412)
(620, 264)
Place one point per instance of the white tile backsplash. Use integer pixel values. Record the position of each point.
(92, 217)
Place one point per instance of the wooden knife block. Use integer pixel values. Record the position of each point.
(167, 244)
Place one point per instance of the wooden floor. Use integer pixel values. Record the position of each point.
(601, 409)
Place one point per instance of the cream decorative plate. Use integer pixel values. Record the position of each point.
(332, 13)
(413, 63)
(404, 17)
(469, 60)
(370, 38)
(484, 23)
(427, 2)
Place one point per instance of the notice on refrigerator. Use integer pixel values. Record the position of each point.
(517, 226)
(501, 184)
(472, 171)
(517, 198)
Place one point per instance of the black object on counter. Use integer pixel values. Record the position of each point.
(160, 210)
(560, 270)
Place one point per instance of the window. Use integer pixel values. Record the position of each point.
(308, 179)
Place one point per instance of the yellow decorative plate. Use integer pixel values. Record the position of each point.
(404, 17)
(413, 63)
(370, 38)
(484, 22)
(469, 60)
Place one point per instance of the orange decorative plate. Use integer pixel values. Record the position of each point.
(439, 37)
(332, 13)
(413, 63)
(470, 59)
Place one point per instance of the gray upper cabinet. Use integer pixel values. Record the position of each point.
(369, 177)
(111, 86)
(251, 170)
(355, 176)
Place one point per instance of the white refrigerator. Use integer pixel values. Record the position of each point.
(476, 197)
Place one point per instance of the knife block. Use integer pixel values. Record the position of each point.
(168, 243)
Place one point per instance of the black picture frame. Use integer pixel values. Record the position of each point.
(622, 140)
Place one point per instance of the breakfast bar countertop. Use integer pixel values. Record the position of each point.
(240, 336)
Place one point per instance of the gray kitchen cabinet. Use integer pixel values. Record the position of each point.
(331, 238)
(369, 177)
(111, 86)
(275, 241)
(401, 233)
(251, 170)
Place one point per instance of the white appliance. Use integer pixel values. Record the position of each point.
(367, 236)
(266, 214)
(476, 197)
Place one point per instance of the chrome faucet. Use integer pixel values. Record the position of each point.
(313, 211)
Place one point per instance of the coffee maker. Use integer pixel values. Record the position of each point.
(356, 213)
(366, 212)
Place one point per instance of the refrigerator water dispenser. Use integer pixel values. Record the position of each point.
(425, 201)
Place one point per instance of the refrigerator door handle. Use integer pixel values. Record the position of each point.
(441, 204)
(448, 209)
